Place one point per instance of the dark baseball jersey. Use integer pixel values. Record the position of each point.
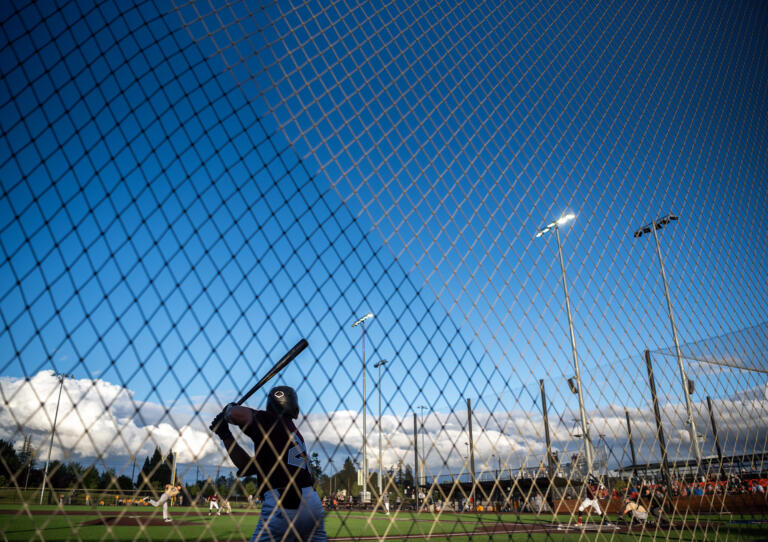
(281, 455)
(591, 492)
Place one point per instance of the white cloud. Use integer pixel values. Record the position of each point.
(119, 426)
(96, 419)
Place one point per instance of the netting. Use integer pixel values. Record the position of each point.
(463, 208)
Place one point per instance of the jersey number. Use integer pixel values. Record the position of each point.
(297, 454)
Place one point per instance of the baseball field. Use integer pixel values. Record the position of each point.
(81, 523)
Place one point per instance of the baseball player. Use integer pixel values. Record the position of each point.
(635, 511)
(291, 509)
(226, 508)
(590, 501)
(213, 502)
(170, 491)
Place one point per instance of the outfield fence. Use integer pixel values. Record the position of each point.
(523, 242)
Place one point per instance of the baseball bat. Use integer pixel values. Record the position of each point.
(285, 360)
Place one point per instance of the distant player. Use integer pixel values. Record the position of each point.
(290, 506)
(170, 491)
(213, 502)
(385, 498)
(226, 508)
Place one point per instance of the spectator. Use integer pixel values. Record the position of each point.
(697, 490)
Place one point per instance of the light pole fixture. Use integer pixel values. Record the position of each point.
(654, 226)
(361, 321)
(555, 226)
(61, 377)
(378, 366)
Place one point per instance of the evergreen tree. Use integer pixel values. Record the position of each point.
(108, 480)
(9, 462)
(155, 471)
(314, 467)
(162, 473)
(143, 477)
(90, 478)
(347, 477)
(408, 480)
(123, 482)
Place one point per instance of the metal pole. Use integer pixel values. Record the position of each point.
(550, 461)
(471, 453)
(683, 376)
(53, 431)
(379, 386)
(714, 433)
(28, 449)
(582, 411)
(657, 416)
(416, 459)
(365, 443)
(379, 364)
(423, 465)
(631, 443)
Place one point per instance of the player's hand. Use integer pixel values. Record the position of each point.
(220, 426)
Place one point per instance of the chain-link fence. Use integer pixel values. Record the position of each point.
(524, 243)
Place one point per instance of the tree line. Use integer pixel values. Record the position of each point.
(21, 470)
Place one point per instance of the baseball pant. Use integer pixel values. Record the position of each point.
(162, 500)
(213, 505)
(305, 524)
(587, 503)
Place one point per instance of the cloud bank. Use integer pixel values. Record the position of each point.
(101, 422)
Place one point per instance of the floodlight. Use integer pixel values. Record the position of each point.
(363, 319)
(552, 225)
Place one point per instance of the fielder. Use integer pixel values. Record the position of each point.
(170, 491)
(213, 502)
(385, 498)
(226, 508)
(291, 509)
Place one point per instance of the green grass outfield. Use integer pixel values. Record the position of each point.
(44, 523)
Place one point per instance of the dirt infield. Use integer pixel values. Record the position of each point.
(134, 521)
(510, 529)
(176, 512)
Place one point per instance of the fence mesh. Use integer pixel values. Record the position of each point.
(189, 188)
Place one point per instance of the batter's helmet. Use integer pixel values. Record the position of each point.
(283, 401)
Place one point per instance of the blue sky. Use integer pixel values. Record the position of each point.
(188, 191)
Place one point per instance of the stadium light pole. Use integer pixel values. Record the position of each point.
(654, 226)
(582, 411)
(361, 321)
(378, 366)
(61, 377)
(423, 449)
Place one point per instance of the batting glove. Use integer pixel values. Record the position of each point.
(220, 426)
